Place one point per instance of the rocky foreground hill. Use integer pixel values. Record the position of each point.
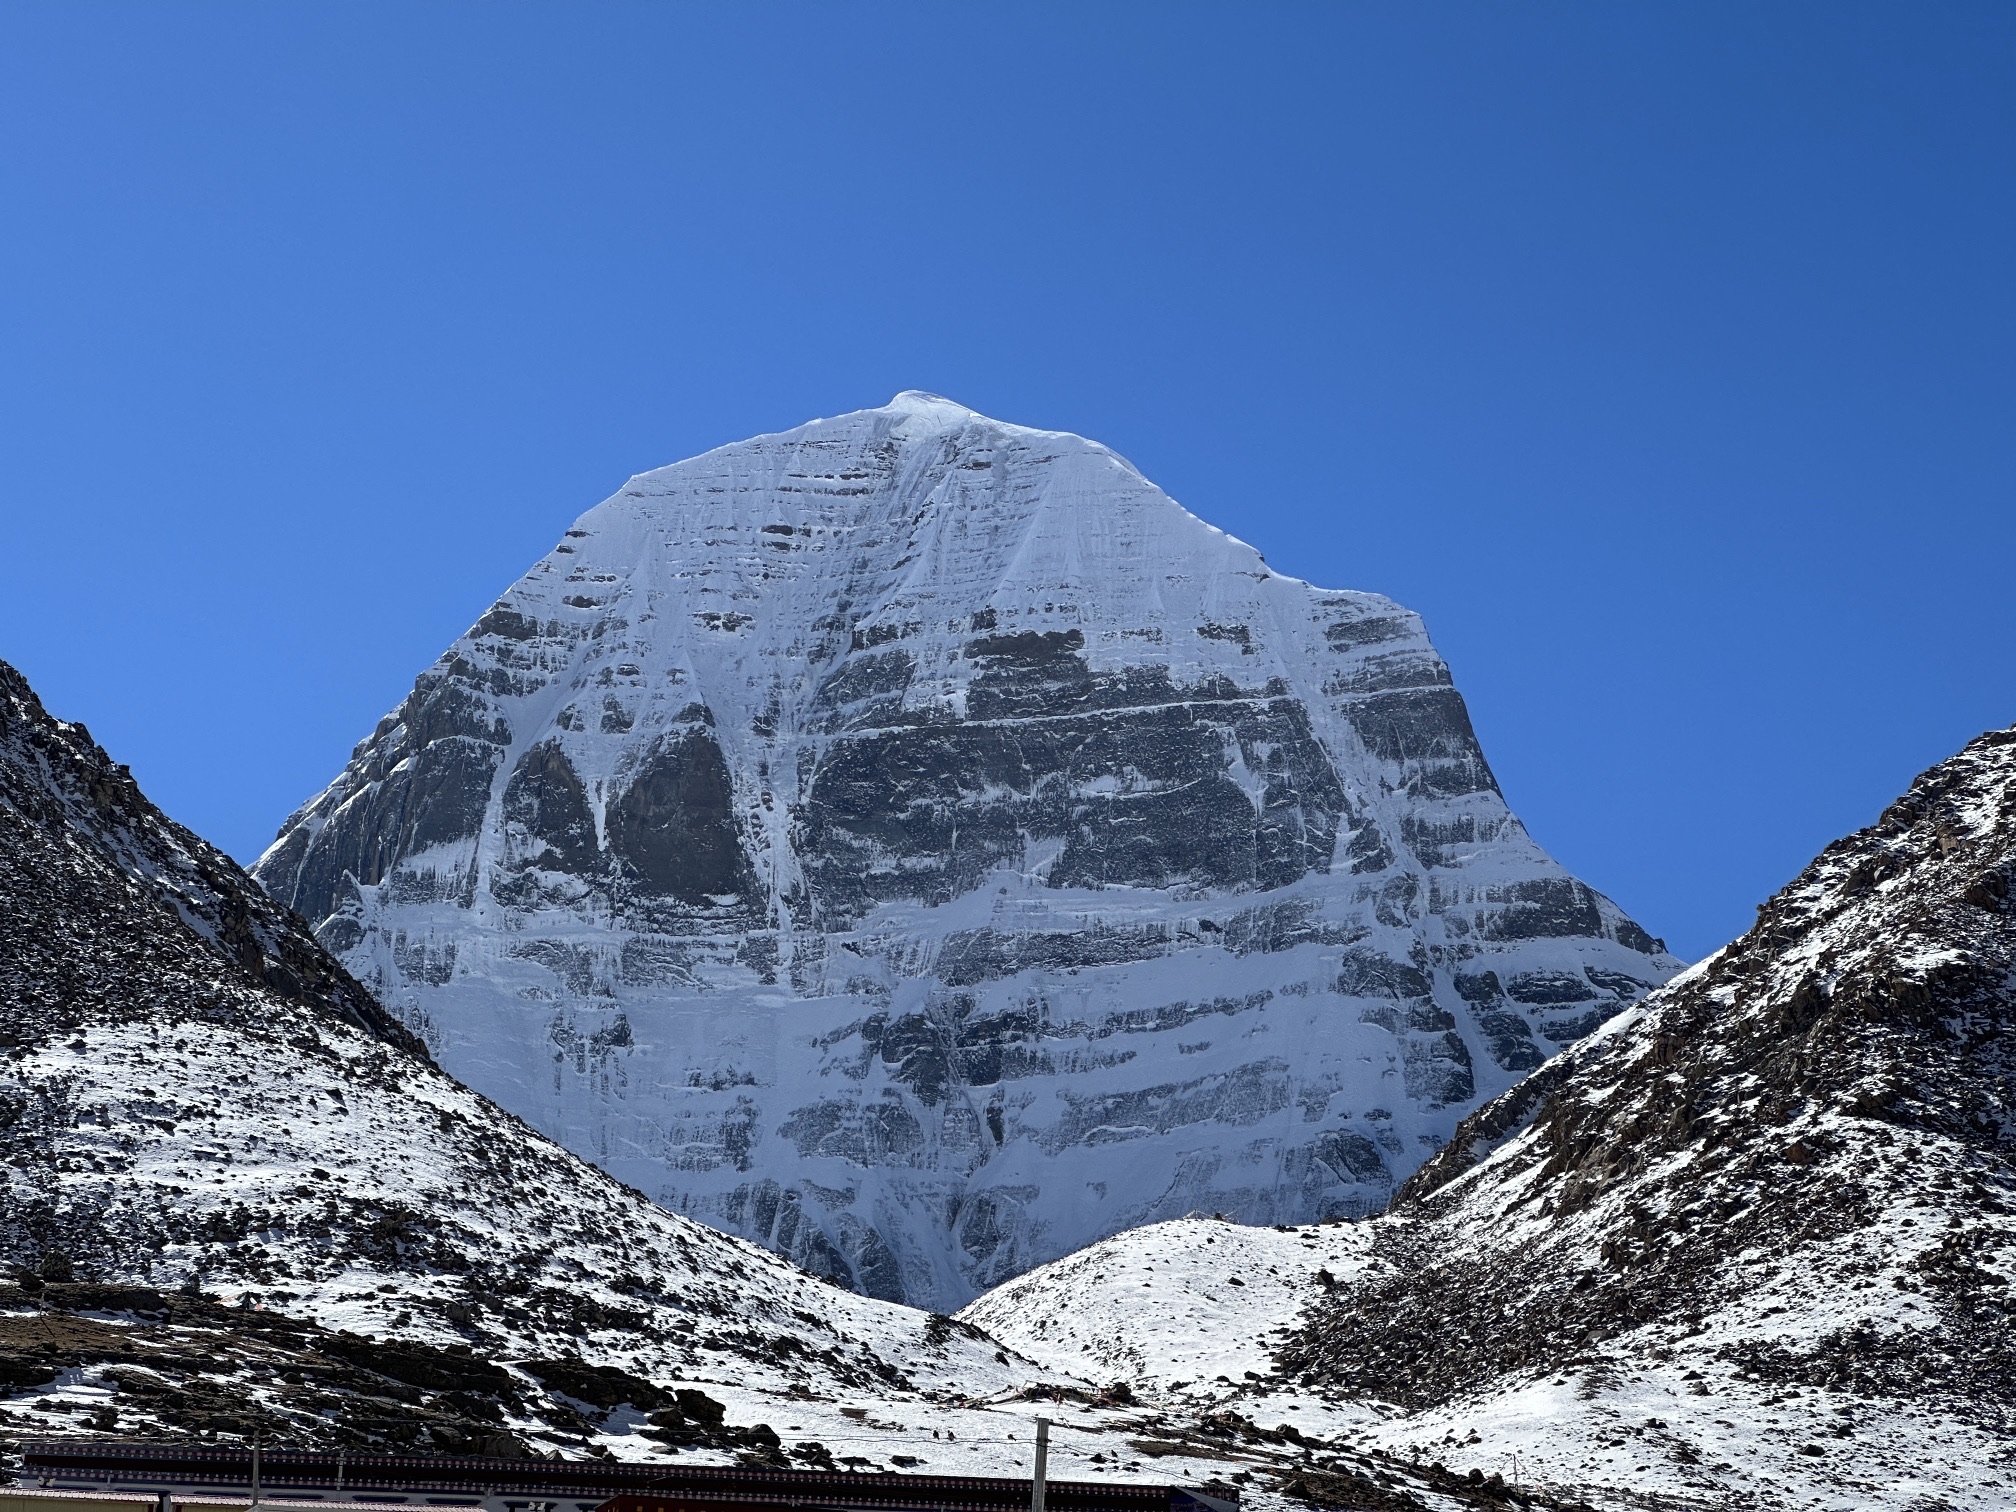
(1751, 1245)
(917, 844)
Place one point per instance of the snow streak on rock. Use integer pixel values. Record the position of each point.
(917, 844)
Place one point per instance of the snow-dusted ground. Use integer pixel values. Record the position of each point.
(1194, 1305)
(1155, 1308)
(1634, 1436)
(918, 844)
(268, 1174)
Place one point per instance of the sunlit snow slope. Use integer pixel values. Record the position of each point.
(1180, 1310)
(917, 844)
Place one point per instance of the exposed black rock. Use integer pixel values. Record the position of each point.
(673, 827)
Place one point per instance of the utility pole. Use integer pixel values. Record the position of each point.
(255, 1473)
(1038, 1486)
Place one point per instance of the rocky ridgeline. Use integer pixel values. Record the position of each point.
(1793, 1171)
(918, 845)
(95, 877)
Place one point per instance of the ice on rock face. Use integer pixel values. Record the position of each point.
(916, 843)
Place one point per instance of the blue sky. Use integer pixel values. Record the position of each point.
(1662, 356)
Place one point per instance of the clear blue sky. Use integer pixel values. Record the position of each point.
(1663, 356)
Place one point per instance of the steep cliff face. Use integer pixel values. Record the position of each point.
(916, 843)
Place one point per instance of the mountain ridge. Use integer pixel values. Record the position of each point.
(1750, 1244)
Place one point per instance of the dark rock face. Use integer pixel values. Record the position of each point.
(1793, 1169)
(242, 1201)
(1427, 731)
(883, 814)
(673, 827)
(113, 910)
(546, 799)
(961, 801)
(429, 790)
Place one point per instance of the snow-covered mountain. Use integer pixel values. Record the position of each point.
(1752, 1244)
(916, 844)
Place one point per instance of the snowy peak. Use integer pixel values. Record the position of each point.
(919, 844)
(932, 410)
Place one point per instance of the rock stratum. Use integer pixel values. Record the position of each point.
(918, 845)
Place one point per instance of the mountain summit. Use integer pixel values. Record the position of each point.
(918, 844)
